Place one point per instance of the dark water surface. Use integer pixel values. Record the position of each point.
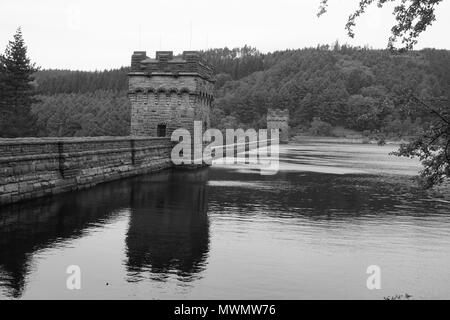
(225, 232)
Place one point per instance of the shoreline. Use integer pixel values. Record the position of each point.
(342, 140)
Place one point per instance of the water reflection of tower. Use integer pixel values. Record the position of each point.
(169, 230)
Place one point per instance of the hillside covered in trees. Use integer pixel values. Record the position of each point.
(323, 87)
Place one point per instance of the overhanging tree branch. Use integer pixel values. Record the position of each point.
(428, 107)
(412, 18)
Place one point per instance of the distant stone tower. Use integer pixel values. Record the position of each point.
(169, 92)
(279, 119)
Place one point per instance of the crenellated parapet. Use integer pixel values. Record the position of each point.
(277, 115)
(189, 63)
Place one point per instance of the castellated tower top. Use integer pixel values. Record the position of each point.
(278, 113)
(189, 63)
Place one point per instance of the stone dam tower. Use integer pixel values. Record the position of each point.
(279, 119)
(169, 92)
(166, 93)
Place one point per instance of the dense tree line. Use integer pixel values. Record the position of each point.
(323, 87)
(98, 113)
(235, 63)
(67, 81)
(356, 88)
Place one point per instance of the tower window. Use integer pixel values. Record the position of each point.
(161, 130)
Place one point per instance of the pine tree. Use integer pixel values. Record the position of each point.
(16, 90)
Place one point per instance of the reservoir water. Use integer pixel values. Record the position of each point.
(227, 232)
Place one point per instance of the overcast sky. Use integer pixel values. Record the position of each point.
(101, 34)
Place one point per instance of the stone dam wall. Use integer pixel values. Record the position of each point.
(35, 167)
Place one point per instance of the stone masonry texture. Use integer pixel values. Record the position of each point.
(32, 167)
(169, 91)
(279, 119)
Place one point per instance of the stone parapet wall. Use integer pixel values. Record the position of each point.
(35, 167)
